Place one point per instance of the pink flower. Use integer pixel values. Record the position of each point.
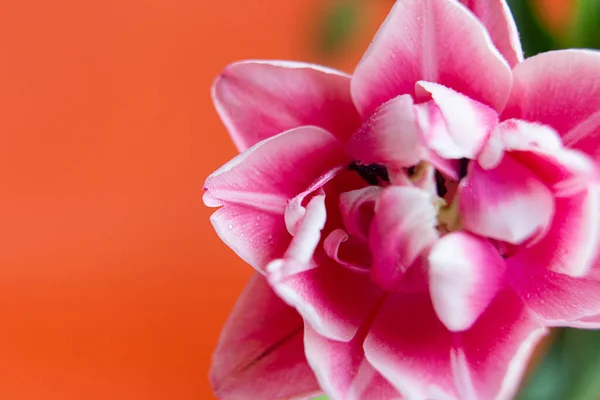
(416, 227)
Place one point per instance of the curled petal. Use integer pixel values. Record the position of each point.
(410, 347)
(389, 136)
(348, 251)
(403, 227)
(260, 99)
(516, 135)
(261, 349)
(498, 20)
(507, 203)
(357, 208)
(432, 40)
(489, 359)
(333, 299)
(467, 122)
(342, 370)
(465, 274)
(254, 195)
(558, 88)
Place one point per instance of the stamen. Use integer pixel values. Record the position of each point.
(373, 174)
(463, 166)
(440, 183)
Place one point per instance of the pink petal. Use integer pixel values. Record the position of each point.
(257, 237)
(586, 136)
(436, 41)
(410, 347)
(570, 245)
(260, 351)
(467, 122)
(403, 227)
(332, 299)
(342, 370)
(558, 88)
(556, 298)
(490, 358)
(516, 135)
(260, 99)
(254, 194)
(389, 136)
(348, 251)
(508, 203)
(465, 274)
(357, 208)
(498, 20)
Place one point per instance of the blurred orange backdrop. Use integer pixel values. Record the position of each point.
(113, 284)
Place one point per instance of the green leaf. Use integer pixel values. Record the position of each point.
(320, 398)
(571, 370)
(586, 25)
(338, 24)
(534, 38)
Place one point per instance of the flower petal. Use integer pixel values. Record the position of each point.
(333, 299)
(467, 122)
(432, 40)
(558, 88)
(261, 349)
(260, 99)
(348, 251)
(403, 227)
(586, 136)
(556, 298)
(358, 208)
(342, 370)
(497, 18)
(508, 203)
(389, 136)
(570, 245)
(465, 274)
(254, 194)
(490, 358)
(410, 347)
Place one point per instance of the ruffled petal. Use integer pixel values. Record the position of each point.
(490, 358)
(410, 347)
(432, 40)
(495, 15)
(465, 274)
(260, 99)
(559, 88)
(351, 252)
(467, 123)
(389, 136)
(403, 227)
(255, 187)
(261, 350)
(507, 203)
(342, 370)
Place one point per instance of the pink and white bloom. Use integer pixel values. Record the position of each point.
(416, 227)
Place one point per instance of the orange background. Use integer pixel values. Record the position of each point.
(113, 284)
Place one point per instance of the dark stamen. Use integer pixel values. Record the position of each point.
(411, 170)
(463, 165)
(373, 174)
(440, 183)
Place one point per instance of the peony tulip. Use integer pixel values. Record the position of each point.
(416, 227)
